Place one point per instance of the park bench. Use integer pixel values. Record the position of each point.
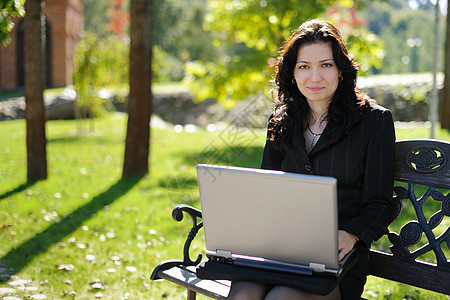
(422, 178)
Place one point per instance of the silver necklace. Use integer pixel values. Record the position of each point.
(313, 141)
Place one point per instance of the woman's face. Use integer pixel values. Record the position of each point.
(316, 73)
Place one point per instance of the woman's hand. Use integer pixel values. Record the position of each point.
(346, 241)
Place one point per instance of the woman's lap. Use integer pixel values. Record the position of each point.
(351, 284)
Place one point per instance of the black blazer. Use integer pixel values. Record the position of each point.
(362, 162)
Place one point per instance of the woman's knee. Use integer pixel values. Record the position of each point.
(242, 290)
(283, 292)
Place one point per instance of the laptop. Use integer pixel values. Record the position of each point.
(270, 220)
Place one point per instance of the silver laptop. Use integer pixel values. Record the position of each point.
(270, 219)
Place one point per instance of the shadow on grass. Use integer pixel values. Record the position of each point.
(249, 157)
(78, 137)
(18, 258)
(18, 189)
(182, 186)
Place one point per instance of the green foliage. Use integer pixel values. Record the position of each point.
(367, 48)
(178, 29)
(249, 34)
(9, 9)
(100, 61)
(231, 79)
(95, 15)
(166, 67)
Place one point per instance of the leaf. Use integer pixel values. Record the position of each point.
(90, 257)
(5, 226)
(131, 269)
(68, 267)
(97, 284)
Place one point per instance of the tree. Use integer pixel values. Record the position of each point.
(9, 9)
(140, 100)
(444, 115)
(35, 113)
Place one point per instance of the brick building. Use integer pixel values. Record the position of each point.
(64, 24)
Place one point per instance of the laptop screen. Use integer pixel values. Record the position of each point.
(270, 214)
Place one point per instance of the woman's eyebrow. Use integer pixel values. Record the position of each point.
(321, 61)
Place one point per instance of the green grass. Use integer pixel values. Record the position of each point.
(113, 231)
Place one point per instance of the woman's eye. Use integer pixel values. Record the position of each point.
(327, 65)
(303, 67)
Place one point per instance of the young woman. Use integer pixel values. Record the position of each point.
(323, 125)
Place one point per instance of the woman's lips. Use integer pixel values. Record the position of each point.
(315, 88)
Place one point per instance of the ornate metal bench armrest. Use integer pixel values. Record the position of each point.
(177, 215)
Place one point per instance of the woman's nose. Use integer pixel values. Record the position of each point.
(315, 75)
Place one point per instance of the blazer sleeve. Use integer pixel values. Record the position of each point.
(272, 157)
(376, 210)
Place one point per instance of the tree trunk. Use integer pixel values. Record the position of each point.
(445, 100)
(35, 113)
(140, 100)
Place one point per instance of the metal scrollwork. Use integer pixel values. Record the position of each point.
(177, 215)
(426, 159)
(411, 233)
(436, 219)
(446, 206)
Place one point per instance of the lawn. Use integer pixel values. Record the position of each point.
(85, 233)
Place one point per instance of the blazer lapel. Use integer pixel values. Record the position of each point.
(330, 136)
(298, 140)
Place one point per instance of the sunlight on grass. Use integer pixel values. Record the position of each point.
(84, 231)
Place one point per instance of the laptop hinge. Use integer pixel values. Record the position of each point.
(223, 253)
(317, 267)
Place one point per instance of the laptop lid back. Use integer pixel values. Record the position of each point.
(270, 214)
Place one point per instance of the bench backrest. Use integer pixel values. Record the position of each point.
(424, 169)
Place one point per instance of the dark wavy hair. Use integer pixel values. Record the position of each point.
(348, 102)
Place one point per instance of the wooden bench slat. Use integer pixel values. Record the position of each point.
(417, 274)
(187, 278)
